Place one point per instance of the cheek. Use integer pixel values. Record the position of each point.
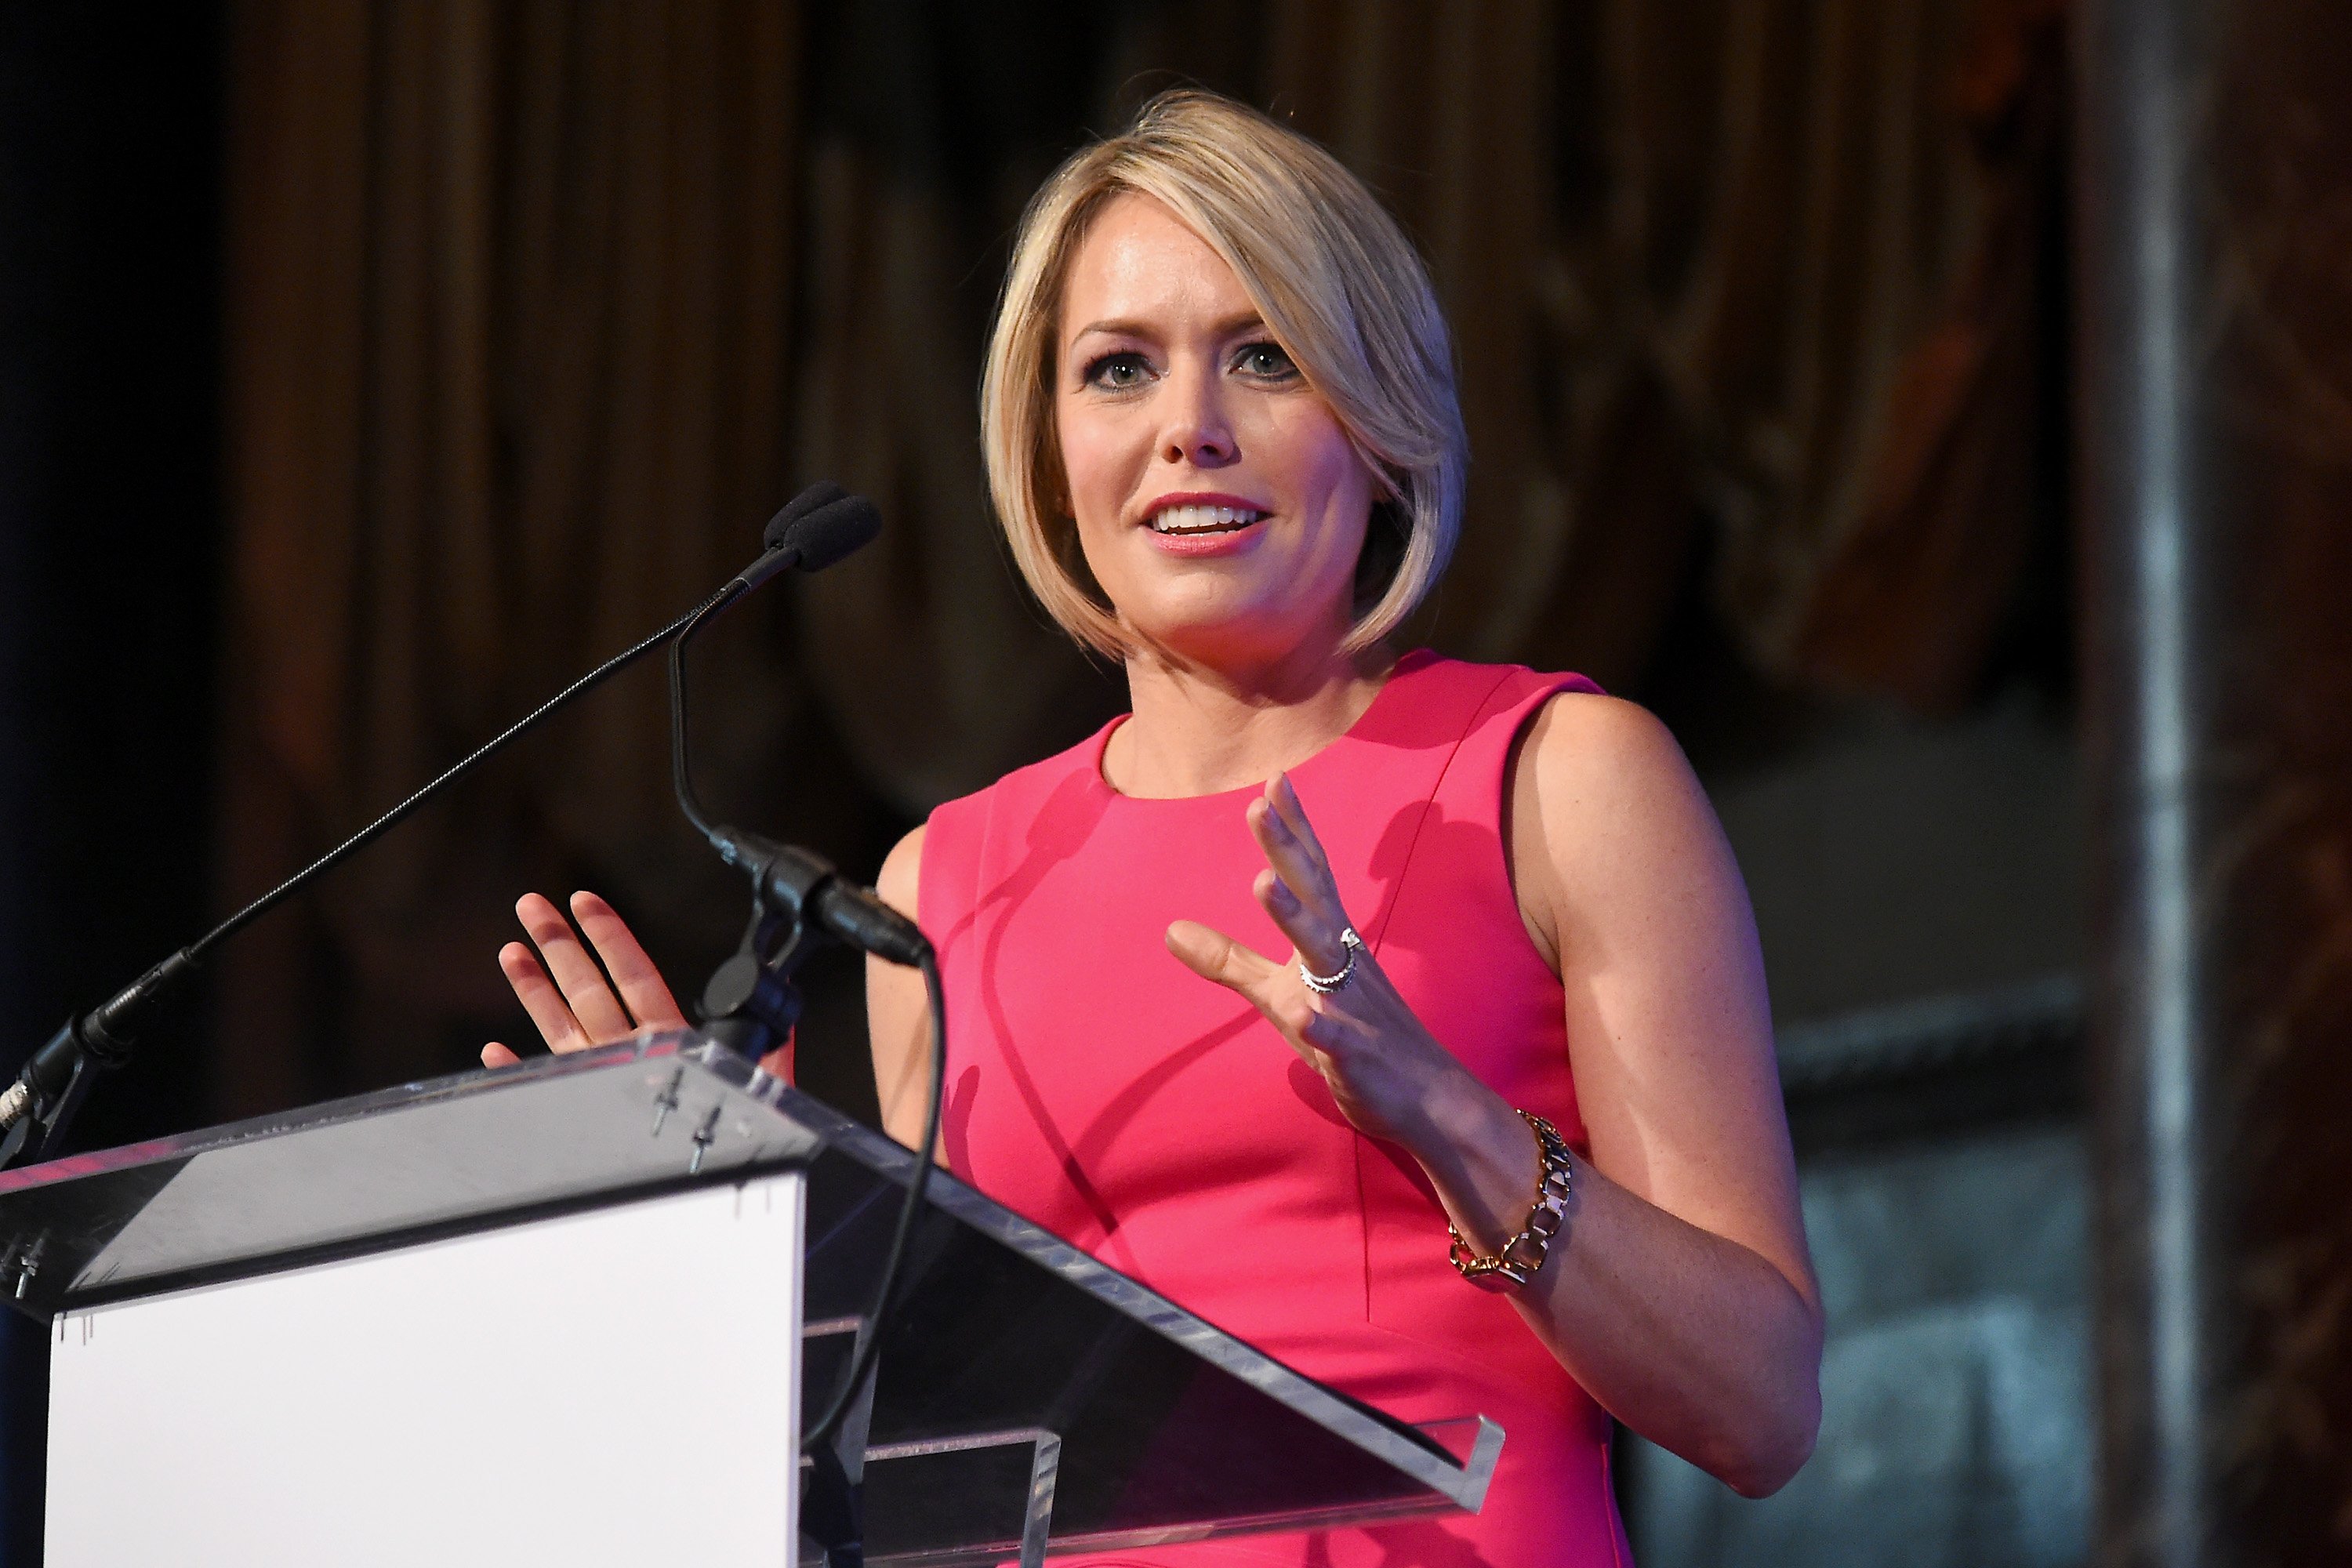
(1329, 477)
(1096, 474)
(1097, 466)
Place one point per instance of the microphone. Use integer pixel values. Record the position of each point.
(790, 882)
(813, 530)
(794, 882)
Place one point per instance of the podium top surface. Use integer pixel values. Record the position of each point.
(1171, 1428)
(383, 1169)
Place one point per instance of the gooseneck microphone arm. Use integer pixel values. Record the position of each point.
(49, 1089)
(366, 835)
(791, 883)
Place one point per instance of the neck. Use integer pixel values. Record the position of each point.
(1200, 729)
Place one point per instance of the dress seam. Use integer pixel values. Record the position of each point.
(1429, 803)
(1387, 916)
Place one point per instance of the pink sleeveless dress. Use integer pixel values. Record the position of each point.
(1099, 1087)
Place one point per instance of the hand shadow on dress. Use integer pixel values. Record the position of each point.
(1418, 1544)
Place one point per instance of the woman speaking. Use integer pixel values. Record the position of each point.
(1401, 1016)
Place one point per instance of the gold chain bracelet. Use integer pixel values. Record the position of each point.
(1523, 1256)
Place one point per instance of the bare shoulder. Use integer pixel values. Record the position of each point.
(1584, 748)
(1604, 813)
(901, 880)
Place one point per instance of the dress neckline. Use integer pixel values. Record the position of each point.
(1099, 746)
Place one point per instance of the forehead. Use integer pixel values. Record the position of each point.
(1141, 264)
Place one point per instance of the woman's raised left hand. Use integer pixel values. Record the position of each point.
(1387, 1073)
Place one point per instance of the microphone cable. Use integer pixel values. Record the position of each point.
(869, 1339)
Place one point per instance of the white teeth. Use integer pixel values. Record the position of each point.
(1203, 518)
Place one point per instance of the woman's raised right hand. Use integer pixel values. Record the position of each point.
(564, 992)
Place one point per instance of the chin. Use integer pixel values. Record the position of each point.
(1233, 612)
(1235, 639)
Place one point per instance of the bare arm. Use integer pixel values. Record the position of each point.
(1685, 1299)
(897, 1015)
(1679, 1293)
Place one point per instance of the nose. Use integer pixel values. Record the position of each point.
(1198, 431)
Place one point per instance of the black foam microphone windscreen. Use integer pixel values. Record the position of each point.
(836, 529)
(824, 492)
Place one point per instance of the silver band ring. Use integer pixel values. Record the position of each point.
(1324, 985)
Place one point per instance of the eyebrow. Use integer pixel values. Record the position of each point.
(1120, 327)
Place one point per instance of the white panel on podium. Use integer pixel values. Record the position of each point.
(613, 1387)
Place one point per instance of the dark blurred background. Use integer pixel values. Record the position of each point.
(1939, 410)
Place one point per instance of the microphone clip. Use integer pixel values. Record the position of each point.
(749, 1003)
(797, 900)
(37, 1115)
(36, 1109)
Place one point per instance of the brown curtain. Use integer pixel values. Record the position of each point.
(1769, 263)
(511, 286)
(538, 309)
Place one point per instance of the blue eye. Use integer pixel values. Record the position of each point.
(1117, 372)
(1265, 360)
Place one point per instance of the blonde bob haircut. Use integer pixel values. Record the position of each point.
(1339, 288)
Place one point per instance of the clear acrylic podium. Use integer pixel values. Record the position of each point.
(574, 1312)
